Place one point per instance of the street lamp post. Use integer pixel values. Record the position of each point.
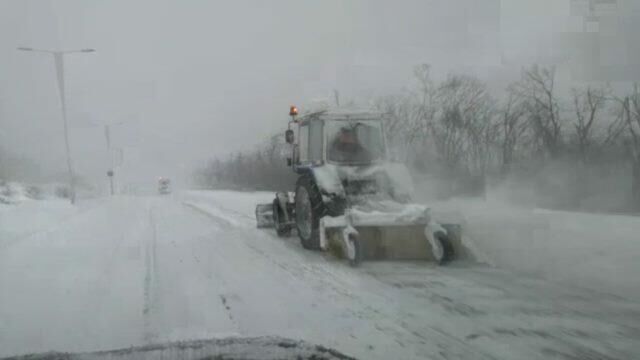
(58, 57)
(107, 135)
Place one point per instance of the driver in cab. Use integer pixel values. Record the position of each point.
(346, 148)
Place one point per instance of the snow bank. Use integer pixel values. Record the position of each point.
(593, 251)
(21, 215)
(30, 217)
(26, 217)
(14, 193)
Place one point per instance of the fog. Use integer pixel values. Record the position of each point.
(184, 81)
(504, 153)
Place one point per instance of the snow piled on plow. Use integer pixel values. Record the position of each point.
(384, 213)
(329, 177)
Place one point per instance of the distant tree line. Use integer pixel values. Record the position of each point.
(263, 168)
(17, 168)
(578, 150)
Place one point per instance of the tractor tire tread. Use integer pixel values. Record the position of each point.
(318, 211)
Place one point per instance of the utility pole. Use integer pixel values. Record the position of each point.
(110, 153)
(107, 135)
(58, 58)
(110, 175)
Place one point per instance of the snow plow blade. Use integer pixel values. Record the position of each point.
(395, 243)
(264, 216)
(359, 239)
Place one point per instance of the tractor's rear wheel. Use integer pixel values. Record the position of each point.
(309, 210)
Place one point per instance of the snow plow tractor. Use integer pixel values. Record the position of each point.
(348, 198)
(164, 186)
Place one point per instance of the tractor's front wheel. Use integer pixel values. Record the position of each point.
(354, 250)
(283, 230)
(309, 210)
(443, 253)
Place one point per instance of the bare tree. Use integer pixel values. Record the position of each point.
(449, 138)
(631, 115)
(409, 115)
(462, 130)
(537, 86)
(262, 168)
(512, 127)
(398, 111)
(427, 93)
(588, 105)
(273, 149)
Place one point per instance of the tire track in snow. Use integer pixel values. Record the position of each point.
(222, 222)
(541, 329)
(232, 217)
(150, 282)
(328, 282)
(227, 307)
(402, 328)
(209, 273)
(448, 345)
(433, 339)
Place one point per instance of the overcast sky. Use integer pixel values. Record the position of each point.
(192, 79)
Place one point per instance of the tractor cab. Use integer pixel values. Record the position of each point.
(335, 137)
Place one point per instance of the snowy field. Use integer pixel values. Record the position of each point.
(127, 271)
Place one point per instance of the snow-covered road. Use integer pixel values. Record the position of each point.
(135, 270)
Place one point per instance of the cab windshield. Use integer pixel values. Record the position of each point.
(354, 142)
